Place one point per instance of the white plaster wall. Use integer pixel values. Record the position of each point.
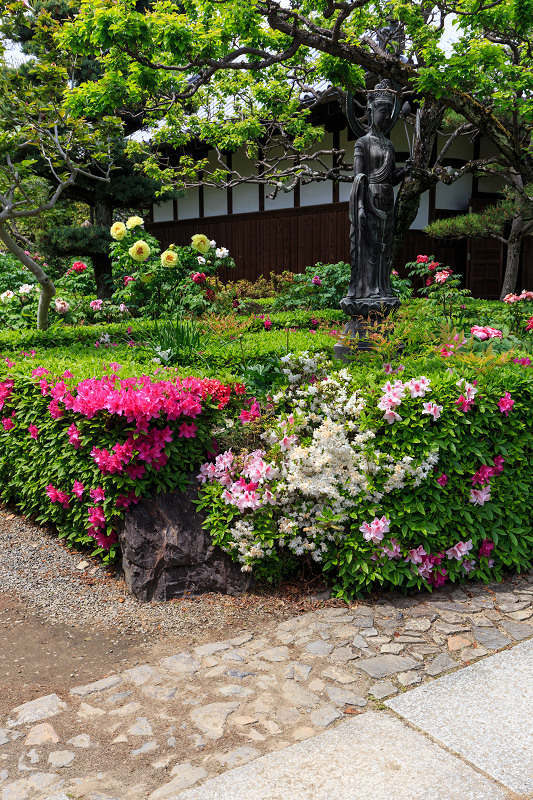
(189, 206)
(163, 212)
(456, 196)
(246, 195)
(316, 193)
(283, 199)
(215, 200)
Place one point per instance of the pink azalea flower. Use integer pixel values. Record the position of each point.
(68, 374)
(499, 461)
(487, 546)
(394, 550)
(187, 431)
(375, 530)
(267, 324)
(438, 577)
(433, 409)
(459, 550)
(391, 416)
(480, 496)
(416, 556)
(39, 372)
(34, 432)
(96, 517)
(77, 489)
(98, 494)
(505, 403)
(464, 403)
(8, 423)
(287, 442)
(443, 479)
(316, 280)
(483, 475)
(74, 436)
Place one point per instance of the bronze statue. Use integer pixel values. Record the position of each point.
(372, 211)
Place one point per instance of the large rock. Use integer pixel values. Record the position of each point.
(166, 553)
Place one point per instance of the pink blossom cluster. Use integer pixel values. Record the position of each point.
(250, 489)
(8, 423)
(483, 333)
(529, 325)
(482, 478)
(56, 496)
(395, 392)
(96, 304)
(443, 275)
(524, 362)
(467, 398)
(77, 267)
(388, 368)
(6, 388)
(373, 531)
(505, 403)
(253, 413)
(510, 299)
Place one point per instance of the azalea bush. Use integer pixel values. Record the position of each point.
(411, 480)
(77, 453)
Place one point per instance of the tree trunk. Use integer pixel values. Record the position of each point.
(103, 268)
(514, 247)
(408, 201)
(48, 289)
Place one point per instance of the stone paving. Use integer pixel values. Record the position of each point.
(157, 729)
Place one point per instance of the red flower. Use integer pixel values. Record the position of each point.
(422, 259)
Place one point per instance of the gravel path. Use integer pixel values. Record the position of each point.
(72, 588)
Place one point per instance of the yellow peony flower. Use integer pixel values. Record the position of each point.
(147, 277)
(169, 258)
(134, 222)
(118, 231)
(139, 251)
(200, 242)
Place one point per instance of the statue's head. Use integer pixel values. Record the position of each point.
(381, 102)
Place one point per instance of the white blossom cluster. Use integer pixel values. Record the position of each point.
(319, 396)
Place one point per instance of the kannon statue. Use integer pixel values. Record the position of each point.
(372, 211)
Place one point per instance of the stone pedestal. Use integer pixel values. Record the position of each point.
(166, 553)
(363, 312)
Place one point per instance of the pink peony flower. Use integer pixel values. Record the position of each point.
(199, 277)
(316, 280)
(505, 403)
(422, 259)
(128, 279)
(96, 304)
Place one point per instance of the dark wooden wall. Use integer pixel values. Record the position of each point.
(295, 238)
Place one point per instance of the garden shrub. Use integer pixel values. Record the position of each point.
(404, 482)
(321, 286)
(78, 453)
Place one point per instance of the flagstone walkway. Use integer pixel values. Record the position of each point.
(282, 695)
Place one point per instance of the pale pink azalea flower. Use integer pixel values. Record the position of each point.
(287, 442)
(374, 530)
(433, 409)
(459, 550)
(480, 496)
(391, 416)
(416, 555)
(394, 550)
